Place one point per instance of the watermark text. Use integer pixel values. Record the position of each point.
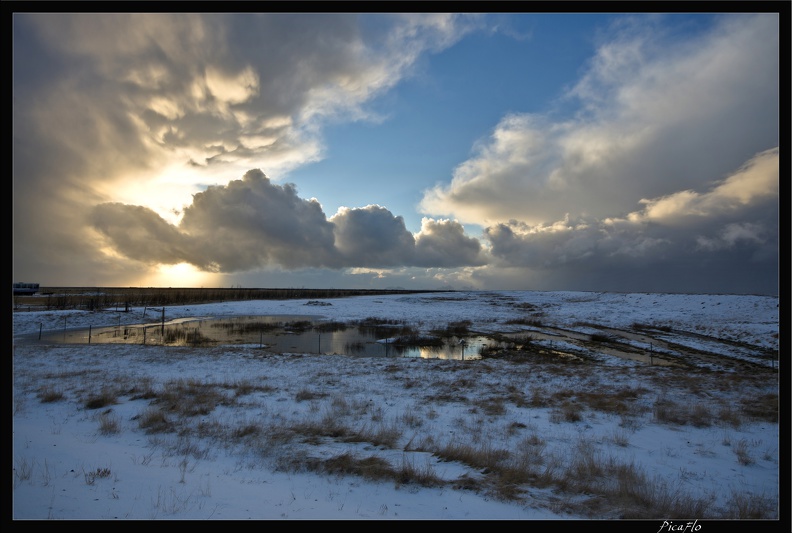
(679, 527)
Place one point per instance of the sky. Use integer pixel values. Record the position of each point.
(71, 462)
(541, 151)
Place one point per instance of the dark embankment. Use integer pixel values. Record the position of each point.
(91, 298)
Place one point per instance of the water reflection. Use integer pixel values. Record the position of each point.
(283, 334)
(310, 334)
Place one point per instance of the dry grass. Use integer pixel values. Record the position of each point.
(492, 406)
(109, 423)
(92, 475)
(154, 420)
(567, 411)
(101, 399)
(589, 481)
(49, 394)
(459, 328)
(763, 408)
(742, 451)
(123, 298)
(191, 397)
(304, 395)
(749, 506)
(671, 412)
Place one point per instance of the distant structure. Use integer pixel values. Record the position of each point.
(26, 288)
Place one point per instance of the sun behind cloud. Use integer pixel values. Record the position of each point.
(180, 275)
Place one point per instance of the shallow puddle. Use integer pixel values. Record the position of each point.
(312, 334)
(276, 333)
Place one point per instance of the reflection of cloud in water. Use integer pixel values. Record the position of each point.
(306, 334)
(275, 333)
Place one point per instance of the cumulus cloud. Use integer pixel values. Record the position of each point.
(142, 234)
(661, 122)
(751, 192)
(168, 110)
(658, 116)
(443, 243)
(149, 109)
(372, 237)
(731, 229)
(253, 223)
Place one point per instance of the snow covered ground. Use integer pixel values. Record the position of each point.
(576, 425)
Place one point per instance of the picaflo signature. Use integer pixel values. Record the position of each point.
(681, 527)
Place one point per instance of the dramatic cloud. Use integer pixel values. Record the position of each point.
(660, 123)
(755, 183)
(224, 90)
(150, 109)
(443, 243)
(252, 223)
(373, 237)
(131, 132)
(658, 116)
(719, 234)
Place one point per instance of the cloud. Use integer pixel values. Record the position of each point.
(114, 112)
(745, 203)
(728, 233)
(755, 183)
(142, 234)
(658, 115)
(372, 237)
(661, 121)
(253, 223)
(150, 109)
(443, 243)
(731, 235)
(246, 90)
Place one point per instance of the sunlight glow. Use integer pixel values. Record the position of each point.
(181, 275)
(166, 192)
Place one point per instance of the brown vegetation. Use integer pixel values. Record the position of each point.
(96, 298)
